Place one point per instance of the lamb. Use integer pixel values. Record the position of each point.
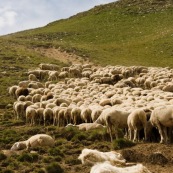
(106, 167)
(137, 120)
(34, 141)
(161, 118)
(90, 157)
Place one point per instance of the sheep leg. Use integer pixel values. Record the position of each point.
(161, 133)
(165, 134)
(130, 133)
(135, 134)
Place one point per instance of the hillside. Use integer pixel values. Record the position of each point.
(125, 32)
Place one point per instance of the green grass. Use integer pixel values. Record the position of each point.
(125, 33)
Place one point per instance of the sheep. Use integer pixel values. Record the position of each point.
(90, 157)
(86, 114)
(19, 109)
(75, 115)
(34, 141)
(21, 98)
(137, 120)
(12, 91)
(39, 112)
(36, 98)
(48, 115)
(31, 114)
(113, 118)
(53, 75)
(90, 126)
(21, 91)
(87, 126)
(48, 66)
(161, 118)
(32, 77)
(106, 167)
(95, 114)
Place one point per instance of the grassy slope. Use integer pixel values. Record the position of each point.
(15, 60)
(127, 33)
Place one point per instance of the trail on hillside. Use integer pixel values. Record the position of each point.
(63, 56)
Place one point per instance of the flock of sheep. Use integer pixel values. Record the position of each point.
(113, 97)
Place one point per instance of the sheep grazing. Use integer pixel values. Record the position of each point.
(161, 118)
(34, 141)
(90, 157)
(136, 121)
(113, 119)
(106, 167)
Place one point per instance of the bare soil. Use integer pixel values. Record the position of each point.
(158, 158)
(63, 56)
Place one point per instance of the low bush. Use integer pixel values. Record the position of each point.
(54, 168)
(122, 143)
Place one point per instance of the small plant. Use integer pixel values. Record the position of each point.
(122, 143)
(54, 168)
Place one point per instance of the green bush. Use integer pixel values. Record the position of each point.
(79, 137)
(122, 143)
(54, 168)
(55, 152)
(69, 132)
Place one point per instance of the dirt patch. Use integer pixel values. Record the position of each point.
(158, 158)
(63, 56)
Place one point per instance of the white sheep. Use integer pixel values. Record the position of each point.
(31, 115)
(34, 141)
(106, 167)
(136, 121)
(90, 157)
(87, 126)
(114, 119)
(161, 118)
(48, 115)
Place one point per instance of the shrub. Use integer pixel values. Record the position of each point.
(72, 161)
(122, 143)
(54, 168)
(55, 152)
(79, 137)
(69, 132)
(2, 156)
(25, 157)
